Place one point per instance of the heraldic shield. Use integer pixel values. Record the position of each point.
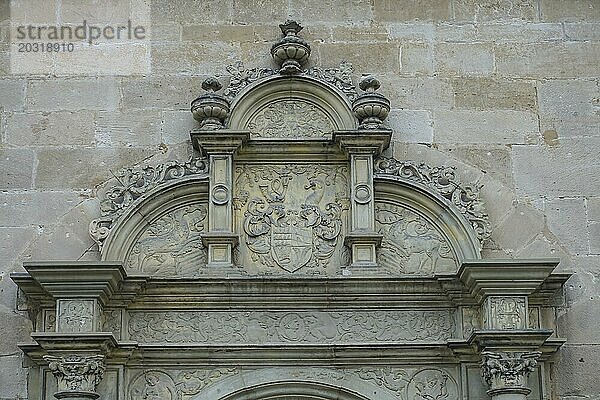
(291, 246)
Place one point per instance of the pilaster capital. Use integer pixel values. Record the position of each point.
(507, 371)
(77, 375)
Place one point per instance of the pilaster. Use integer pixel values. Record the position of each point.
(362, 147)
(220, 147)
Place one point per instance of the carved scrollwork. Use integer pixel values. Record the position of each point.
(133, 183)
(290, 119)
(411, 245)
(294, 327)
(241, 77)
(340, 77)
(291, 215)
(443, 180)
(171, 245)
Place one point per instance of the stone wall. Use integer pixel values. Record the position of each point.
(506, 91)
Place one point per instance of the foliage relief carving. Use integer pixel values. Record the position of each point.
(290, 119)
(133, 183)
(442, 180)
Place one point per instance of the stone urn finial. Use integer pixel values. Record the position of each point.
(210, 108)
(371, 108)
(290, 52)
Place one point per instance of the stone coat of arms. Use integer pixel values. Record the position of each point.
(292, 215)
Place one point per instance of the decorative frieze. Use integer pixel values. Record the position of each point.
(77, 373)
(291, 327)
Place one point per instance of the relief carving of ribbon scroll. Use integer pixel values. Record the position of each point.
(291, 216)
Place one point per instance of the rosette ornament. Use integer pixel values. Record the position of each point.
(210, 108)
(290, 52)
(370, 108)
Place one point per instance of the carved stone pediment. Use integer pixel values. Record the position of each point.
(288, 258)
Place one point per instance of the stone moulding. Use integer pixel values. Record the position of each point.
(133, 184)
(442, 179)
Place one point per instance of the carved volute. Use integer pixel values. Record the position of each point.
(290, 257)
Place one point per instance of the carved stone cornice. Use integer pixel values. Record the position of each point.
(133, 184)
(443, 180)
(77, 279)
(505, 277)
(77, 375)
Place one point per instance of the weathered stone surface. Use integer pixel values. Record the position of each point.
(429, 10)
(593, 209)
(229, 33)
(494, 161)
(501, 126)
(412, 32)
(420, 93)
(548, 171)
(68, 239)
(569, 100)
(175, 126)
(192, 58)
(489, 10)
(518, 228)
(574, 10)
(571, 370)
(380, 57)
(416, 59)
(548, 60)
(459, 59)
(489, 94)
(17, 167)
(127, 129)
(13, 94)
(169, 92)
(73, 94)
(62, 128)
(411, 125)
(355, 12)
(13, 379)
(82, 167)
(582, 31)
(14, 240)
(188, 11)
(574, 235)
(259, 11)
(35, 208)
(20, 327)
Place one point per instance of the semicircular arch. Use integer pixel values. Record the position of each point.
(160, 218)
(422, 233)
(275, 105)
